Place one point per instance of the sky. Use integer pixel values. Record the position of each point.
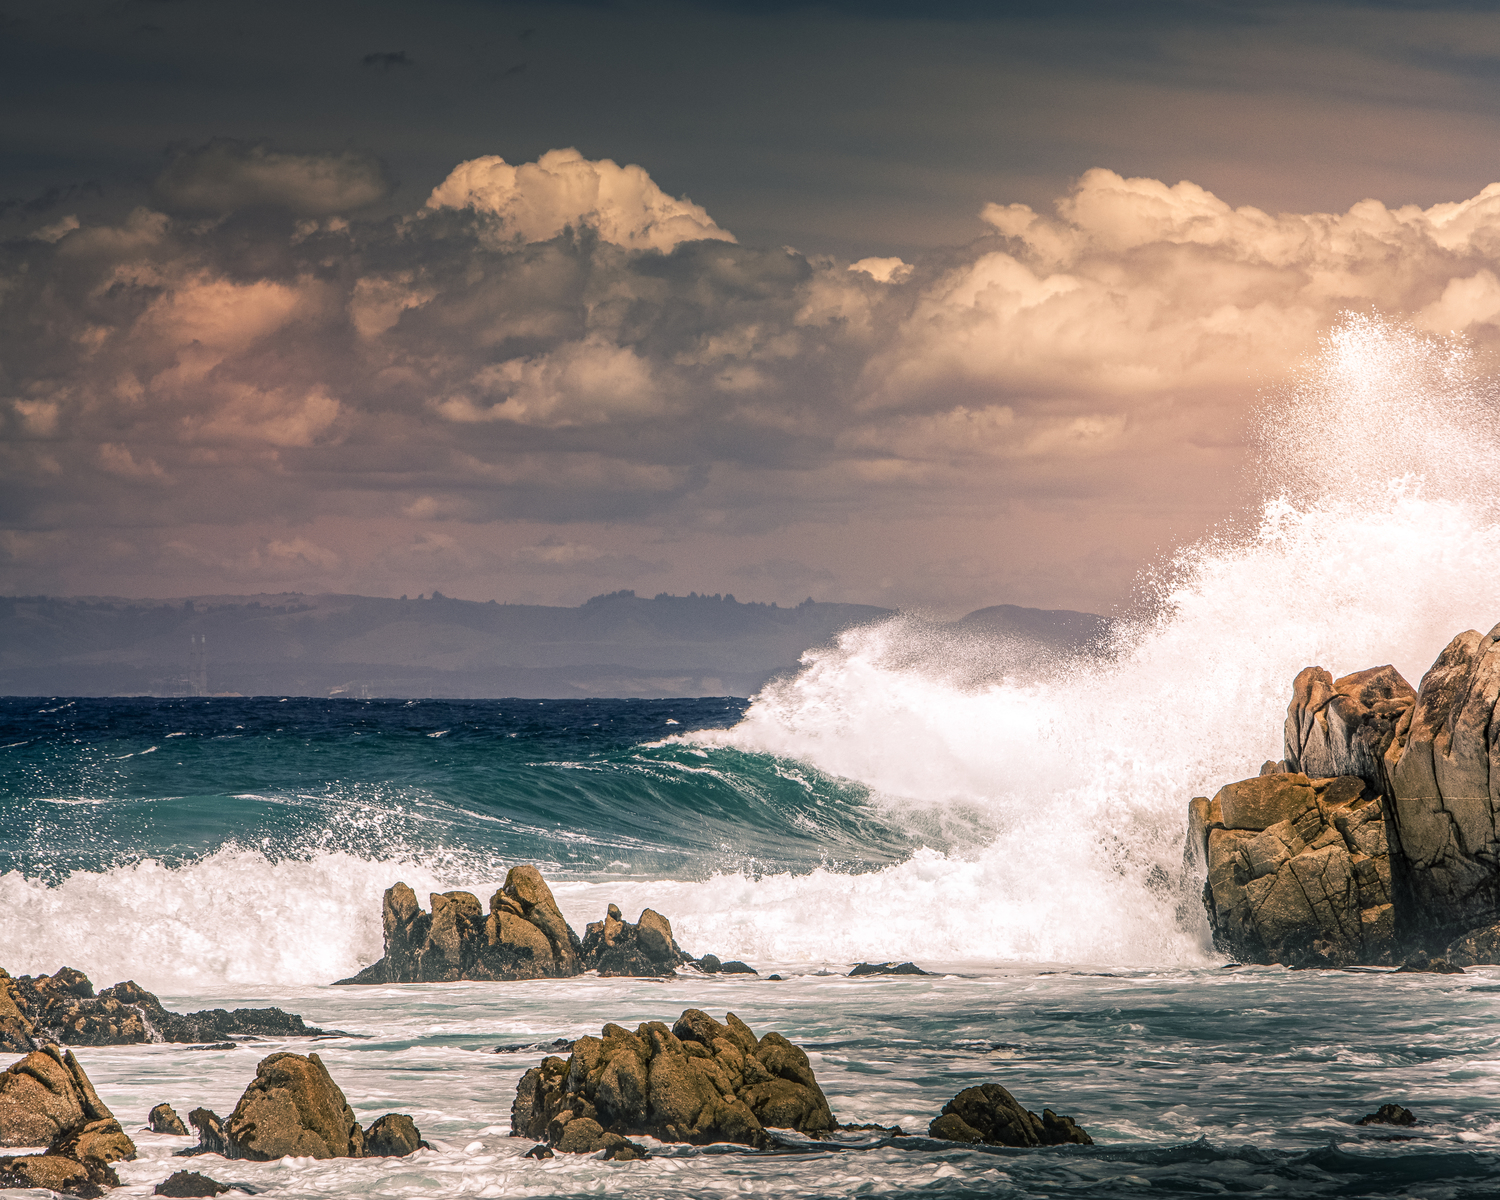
(933, 305)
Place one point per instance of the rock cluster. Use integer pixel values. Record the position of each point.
(523, 937)
(699, 1081)
(47, 1100)
(63, 1007)
(1395, 850)
(990, 1114)
(294, 1107)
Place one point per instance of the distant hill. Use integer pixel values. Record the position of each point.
(1058, 629)
(618, 645)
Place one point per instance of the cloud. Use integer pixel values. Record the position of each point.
(536, 201)
(226, 175)
(561, 346)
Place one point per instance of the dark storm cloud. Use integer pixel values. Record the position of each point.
(386, 59)
(226, 174)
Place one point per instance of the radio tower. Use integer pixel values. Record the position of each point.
(198, 664)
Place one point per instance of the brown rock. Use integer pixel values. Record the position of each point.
(614, 947)
(164, 1119)
(189, 1183)
(1475, 948)
(54, 1173)
(43, 1094)
(292, 1107)
(990, 1114)
(392, 1136)
(211, 1136)
(15, 1026)
(101, 1141)
(1345, 726)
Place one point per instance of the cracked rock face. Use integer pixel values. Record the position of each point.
(698, 1082)
(1345, 726)
(46, 1095)
(1299, 871)
(1444, 771)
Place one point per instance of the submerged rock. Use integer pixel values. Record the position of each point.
(293, 1106)
(1388, 1114)
(1298, 871)
(735, 967)
(164, 1119)
(698, 1082)
(887, 968)
(47, 1094)
(615, 947)
(53, 1173)
(189, 1183)
(990, 1114)
(63, 1007)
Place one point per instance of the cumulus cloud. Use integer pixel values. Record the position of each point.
(534, 202)
(563, 349)
(226, 175)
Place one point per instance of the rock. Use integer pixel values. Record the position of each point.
(614, 947)
(737, 968)
(524, 936)
(887, 968)
(990, 1114)
(43, 1095)
(189, 1183)
(211, 1137)
(393, 1136)
(15, 1027)
(1345, 726)
(1388, 1114)
(556, 1044)
(101, 1141)
(164, 1119)
(709, 964)
(1422, 964)
(63, 1007)
(697, 1082)
(53, 1172)
(1298, 871)
(1444, 798)
(1475, 948)
(540, 1150)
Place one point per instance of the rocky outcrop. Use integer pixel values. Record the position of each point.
(991, 1115)
(699, 1082)
(62, 1007)
(293, 1106)
(886, 968)
(164, 1119)
(45, 1095)
(15, 1026)
(1476, 948)
(614, 946)
(1345, 726)
(1445, 793)
(53, 1173)
(1298, 870)
(523, 937)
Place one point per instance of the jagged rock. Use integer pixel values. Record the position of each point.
(393, 1136)
(15, 1027)
(211, 1137)
(1345, 726)
(524, 936)
(1388, 1114)
(1445, 797)
(45, 1094)
(164, 1119)
(292, 1107)
(63, 1007)
(697, 1082)
(94, 1142)
(990, 1114)
(189, 1183)
(1477, 947)
(540, 1150)
(1298, 870)
(887, 968)
(53, 1173)
(615, 947)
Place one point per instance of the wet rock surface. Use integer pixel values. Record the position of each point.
(1388, 1114)
(699, 1082)
(164, 1119)
(189, 1183)
(64, 1008)
(293, 1106)
(991, 1115)
(1299, 871)
(44, 1095)
(524, 936)
(53, 1173)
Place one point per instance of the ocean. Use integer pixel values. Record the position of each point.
(904, 796)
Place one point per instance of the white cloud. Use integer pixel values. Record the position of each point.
(534, 202)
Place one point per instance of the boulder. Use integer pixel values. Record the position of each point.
(164, 1119)
(189, 1183)
(735, 967)
(698, 1082)
(615, 947)
(15, 1026)
(1344, 726)
(523, 937)
(886, 968)
(1298, 870)
(1444, 796)
(45, 1094)
(54, 1173)
(1475, 948)
(62, 1007)
(1388, 1114)
(94, 1143)
(990, 1114)
(292, 1107)
(393, 1136)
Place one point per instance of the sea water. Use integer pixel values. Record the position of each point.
(1019, 833)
